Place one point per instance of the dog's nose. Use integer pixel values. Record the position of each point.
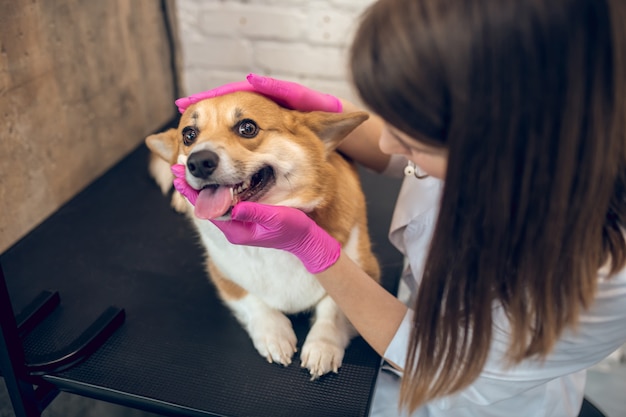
(201, 164)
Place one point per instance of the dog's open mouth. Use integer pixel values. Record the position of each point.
(216, 200)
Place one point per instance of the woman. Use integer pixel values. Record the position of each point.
(517, 259)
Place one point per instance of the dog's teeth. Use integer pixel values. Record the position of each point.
(234, 193)
(239, 188)
(233, 196)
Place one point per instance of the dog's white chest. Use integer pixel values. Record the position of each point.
(275, 276)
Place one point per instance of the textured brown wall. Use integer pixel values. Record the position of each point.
(81, 84)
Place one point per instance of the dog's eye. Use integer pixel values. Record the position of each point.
(247, 128)
(189, 135)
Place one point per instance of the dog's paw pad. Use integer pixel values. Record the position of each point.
(321, 357)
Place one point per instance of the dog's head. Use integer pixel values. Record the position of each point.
(243, 146)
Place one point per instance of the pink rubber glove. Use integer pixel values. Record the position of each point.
(278, 227)
(287, 94)
(286, 228)
(181, 185)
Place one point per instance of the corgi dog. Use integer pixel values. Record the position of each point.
(243, 146)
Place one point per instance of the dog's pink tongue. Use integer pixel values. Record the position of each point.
(213, 202)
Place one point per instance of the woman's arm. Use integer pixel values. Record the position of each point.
(362, 143)
(374, 312)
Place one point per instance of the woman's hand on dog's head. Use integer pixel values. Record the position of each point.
(286, 93)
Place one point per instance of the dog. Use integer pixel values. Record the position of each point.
(244, 146)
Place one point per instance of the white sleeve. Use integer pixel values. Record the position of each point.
(601, 330)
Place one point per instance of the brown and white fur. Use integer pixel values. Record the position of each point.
(261, 285)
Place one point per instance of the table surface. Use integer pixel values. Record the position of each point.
(180, 351)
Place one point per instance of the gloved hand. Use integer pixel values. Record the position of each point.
(287, 94)
(278, 227)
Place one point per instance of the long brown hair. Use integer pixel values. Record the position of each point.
(529, 99)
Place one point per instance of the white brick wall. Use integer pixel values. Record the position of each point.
(297, 40)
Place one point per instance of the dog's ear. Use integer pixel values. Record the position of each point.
(331, 128)
(165, 145)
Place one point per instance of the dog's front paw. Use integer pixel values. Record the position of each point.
(274, 338)
(321, 356)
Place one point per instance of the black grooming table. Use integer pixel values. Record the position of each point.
(179, 351)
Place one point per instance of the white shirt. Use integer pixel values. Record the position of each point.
(554, 387)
